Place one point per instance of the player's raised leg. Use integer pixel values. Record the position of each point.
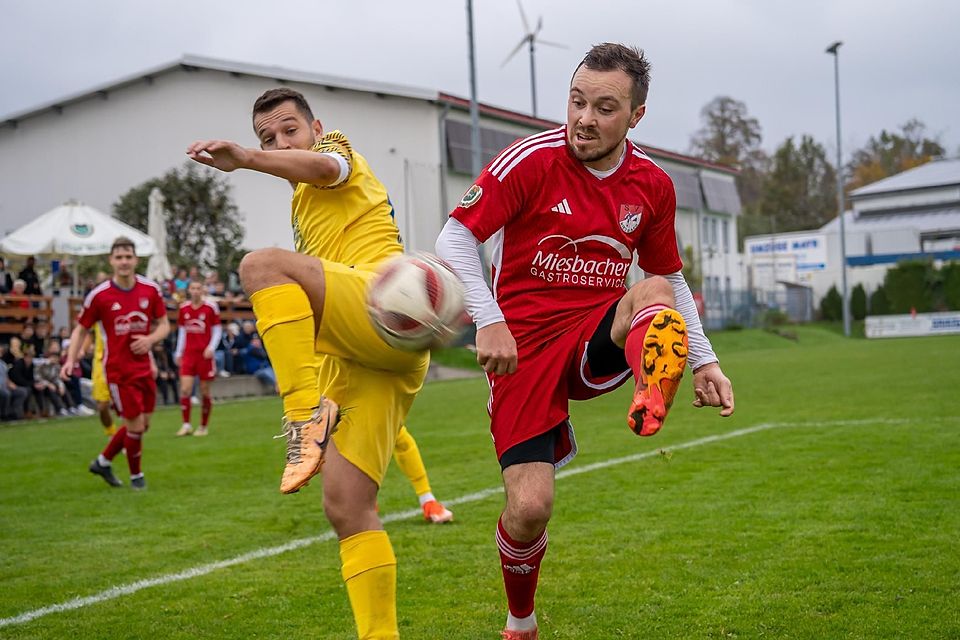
(653, 336)
(406, 453)
(287, 290)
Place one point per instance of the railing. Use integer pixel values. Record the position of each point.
(230, 310)
(17, 311)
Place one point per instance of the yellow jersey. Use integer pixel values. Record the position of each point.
(351, 222)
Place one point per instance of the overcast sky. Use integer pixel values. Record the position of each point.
(899, 60)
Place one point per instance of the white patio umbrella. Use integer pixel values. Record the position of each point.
(158, 268)
(73, 229)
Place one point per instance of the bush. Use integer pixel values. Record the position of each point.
(831, 307)
(858, 302)
(879, 304)
(951, 285)
(909, 287)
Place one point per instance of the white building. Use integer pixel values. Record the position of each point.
(96, 145)
(914, 215)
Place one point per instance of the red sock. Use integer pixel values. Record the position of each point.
(116, 444)
(205, 411)
(633, 349)
(185, 408)
(520, 563)
(134, 444)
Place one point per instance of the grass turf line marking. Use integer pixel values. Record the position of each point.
(268, 552)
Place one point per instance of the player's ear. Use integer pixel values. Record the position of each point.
(317, 130)
(637, 114)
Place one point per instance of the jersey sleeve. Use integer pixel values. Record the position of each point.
(657, 251)
(89, 312)
(496, 197)
(215, 321)
(338, 146)
(157, 307)
(180, 317)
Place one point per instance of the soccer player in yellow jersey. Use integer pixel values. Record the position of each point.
(344, 409)
(100, 393)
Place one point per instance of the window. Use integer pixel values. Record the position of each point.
(726, 236)
(714, 234)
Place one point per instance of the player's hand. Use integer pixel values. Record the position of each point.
(177, 359)
(221, 154)
(496, 349)
(713, 389)
(140, 344)
(66, 370)
(207, 353)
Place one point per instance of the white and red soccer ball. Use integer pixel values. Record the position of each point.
(416, 302)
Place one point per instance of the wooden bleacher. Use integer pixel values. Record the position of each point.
(13, 315)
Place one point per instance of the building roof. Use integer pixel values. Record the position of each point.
(926, 222)
(937, 173)
(282, 74)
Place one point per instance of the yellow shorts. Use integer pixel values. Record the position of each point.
(374, 383)
(101, 392)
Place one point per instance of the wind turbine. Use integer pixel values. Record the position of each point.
(530, 38)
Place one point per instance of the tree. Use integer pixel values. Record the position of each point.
(831, 307)
(879, 304)
(891, 153)
(858, 302)
(203, 225)
(730, 137)
(800, 190)
(909, 287)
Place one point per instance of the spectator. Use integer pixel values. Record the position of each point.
(13, 352)
(180, 284)
(12, 397)
(63, 335)
(30, 277)
(248, 331)
(22, 374)
(36, 336)
(227, 353)
(48, 375)
(256, 362)
(19, 289)
(166, 374)
(6, 278)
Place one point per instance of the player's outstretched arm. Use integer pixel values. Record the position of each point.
(295, 165)
(77, 339)
(713, 389)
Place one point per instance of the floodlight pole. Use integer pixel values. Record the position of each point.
(476, 159)
(834, 50)
(533, 80)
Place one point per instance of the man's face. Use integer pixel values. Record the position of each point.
(196, 292)
(599, 115)
(123, 261)
(284, 127)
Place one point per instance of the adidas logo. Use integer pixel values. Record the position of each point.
(562, 207)
(115, 307)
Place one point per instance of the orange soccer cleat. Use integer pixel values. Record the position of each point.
(436, 513)
(664, 358)
(307, 444)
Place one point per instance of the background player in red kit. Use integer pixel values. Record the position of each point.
(126, 307)
(566, 210)
(198, 335)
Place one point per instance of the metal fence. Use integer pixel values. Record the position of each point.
(745, 308)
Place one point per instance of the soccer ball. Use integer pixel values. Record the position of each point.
(416, 302)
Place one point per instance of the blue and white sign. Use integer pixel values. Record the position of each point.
(810, 250)
(919, 324)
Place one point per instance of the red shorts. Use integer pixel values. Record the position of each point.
(194, 364)
(536, 398)
(134, 397)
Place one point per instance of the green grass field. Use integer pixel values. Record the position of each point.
(828, 506)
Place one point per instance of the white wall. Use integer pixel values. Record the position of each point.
(97, 149)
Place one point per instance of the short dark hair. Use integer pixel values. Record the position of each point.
(123, 242)
(609, 56)
(273, 97)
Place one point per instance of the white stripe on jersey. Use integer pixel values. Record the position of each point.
(640, 153)
(146, 280)
(558, 143)
(507, 154)
(496, 257)
(93, 292)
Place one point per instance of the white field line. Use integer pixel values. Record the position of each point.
(267, 552)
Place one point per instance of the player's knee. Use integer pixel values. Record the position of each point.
(653, 290)
(533, 511)
(257, 267)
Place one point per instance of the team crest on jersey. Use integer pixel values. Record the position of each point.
(630, 217)
(471, 196)
(144, 303)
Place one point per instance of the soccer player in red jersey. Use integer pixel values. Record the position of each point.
(198, 335)
(566, 210)
(126, 307)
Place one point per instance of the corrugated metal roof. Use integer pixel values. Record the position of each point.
(947, 219)
(932, 174)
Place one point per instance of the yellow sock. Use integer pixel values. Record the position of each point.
(285, 324)
(370, 573)
(407, 455)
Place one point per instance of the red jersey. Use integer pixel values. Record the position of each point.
(123, 314)
(197, 324)
(564, 239)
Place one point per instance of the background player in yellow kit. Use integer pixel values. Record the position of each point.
(345, 408)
